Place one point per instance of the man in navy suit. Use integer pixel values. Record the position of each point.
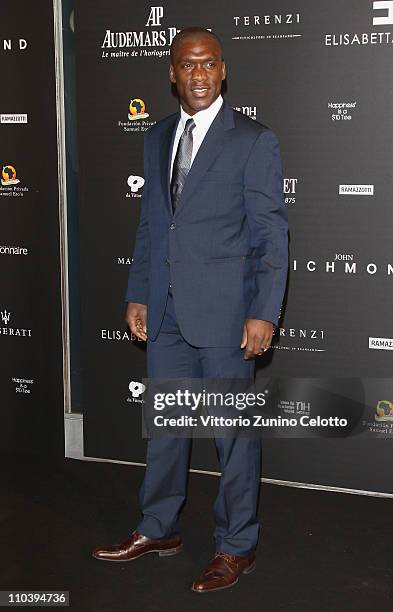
(205, 290)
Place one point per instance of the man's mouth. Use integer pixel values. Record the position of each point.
(199, 90)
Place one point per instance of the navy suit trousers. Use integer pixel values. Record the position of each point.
(163, 491)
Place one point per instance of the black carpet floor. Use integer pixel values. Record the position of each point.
(318, 551)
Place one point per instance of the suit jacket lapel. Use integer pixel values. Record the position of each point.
(208, 151)
(166, 144)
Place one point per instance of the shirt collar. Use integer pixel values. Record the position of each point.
(203, 117)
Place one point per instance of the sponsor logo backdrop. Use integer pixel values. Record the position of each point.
(30, 305)
(319, 76)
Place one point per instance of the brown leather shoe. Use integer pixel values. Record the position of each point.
(136, 546)
(223, 572)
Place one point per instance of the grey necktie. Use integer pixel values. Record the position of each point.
(182, 162)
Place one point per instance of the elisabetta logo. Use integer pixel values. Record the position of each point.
(387, 5)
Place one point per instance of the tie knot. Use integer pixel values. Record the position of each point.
(190, 124)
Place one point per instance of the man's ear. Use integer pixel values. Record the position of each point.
(172, 74)
(224, 71)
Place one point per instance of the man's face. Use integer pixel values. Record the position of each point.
(198, 71)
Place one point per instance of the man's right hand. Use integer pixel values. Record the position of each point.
(136, 317)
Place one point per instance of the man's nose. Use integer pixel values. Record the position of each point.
(199, 73)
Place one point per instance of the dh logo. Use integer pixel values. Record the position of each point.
(383, 4)
(155, 16)
(5, 317)
(136, 388)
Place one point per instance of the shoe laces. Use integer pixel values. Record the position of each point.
(226, 557)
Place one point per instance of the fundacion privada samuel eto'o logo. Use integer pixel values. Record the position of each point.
(384, 411)
(137, 109)
(8, 175)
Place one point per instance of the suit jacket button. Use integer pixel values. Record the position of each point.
(172, 226)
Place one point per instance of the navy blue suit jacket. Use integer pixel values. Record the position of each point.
(225, 249)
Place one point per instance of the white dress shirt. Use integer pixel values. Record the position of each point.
(203, 120)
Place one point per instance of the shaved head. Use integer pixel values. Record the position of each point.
(192, 32)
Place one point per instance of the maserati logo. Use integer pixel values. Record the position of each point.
(12, 331)
(5, 317)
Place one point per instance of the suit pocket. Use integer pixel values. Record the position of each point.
(211, 260)
(214, 175)
(218, 176)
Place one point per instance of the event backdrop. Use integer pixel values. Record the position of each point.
(318, 74)
(31, 377)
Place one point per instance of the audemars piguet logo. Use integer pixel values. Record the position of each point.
(156, 14)
(142, 43)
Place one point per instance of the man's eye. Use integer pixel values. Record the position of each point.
(186, 65)
(210, 64)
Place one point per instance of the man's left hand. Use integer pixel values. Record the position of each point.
(257, 337)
